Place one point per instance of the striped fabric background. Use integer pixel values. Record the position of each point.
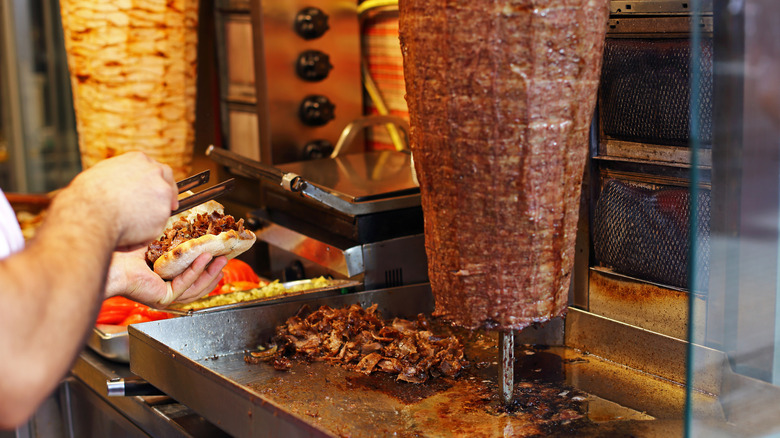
(383, 55)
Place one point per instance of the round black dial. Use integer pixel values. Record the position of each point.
(317, 149)
(313, 65)
(311, 23)
(316, 110)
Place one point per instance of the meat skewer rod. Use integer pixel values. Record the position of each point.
(506, 365)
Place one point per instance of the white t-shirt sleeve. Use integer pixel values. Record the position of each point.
(11, 239)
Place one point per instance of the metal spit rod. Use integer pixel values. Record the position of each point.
(506, 365)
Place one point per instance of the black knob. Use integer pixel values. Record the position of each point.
(317, 149)
(311, 23)
(316, 110)
(313, 65)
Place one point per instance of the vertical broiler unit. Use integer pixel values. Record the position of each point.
(683, 197)
(641, 166)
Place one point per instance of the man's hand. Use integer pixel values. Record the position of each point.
(131, 194)
(130, 276)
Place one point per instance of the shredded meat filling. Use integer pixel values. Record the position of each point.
(359, 340)
(183, 230)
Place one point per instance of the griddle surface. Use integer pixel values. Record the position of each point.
(559, 391)
(346, 403)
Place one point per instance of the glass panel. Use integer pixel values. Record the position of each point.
(244, 133)
(240, 58)
(238, 34)
(735, 335)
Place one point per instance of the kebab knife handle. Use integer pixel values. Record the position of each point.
(120, 387)
(255, 169)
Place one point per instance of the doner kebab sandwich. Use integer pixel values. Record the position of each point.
(202, 229)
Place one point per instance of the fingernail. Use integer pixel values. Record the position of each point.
(168, 299)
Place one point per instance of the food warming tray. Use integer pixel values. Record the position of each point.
(111, 341)
(199, 361)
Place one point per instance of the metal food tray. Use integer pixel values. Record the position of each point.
(111, 341)
(199, 361)
(333, 288)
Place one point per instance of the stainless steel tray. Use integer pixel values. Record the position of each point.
(111, 341)
(334, 287)
(199, 361)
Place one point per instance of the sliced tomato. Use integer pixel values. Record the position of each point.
(153, 314)
(117, 303)
(235, 271)
(135, 318)
(117, 310)
(111, 316)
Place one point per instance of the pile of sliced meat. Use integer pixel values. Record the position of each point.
(359, 340)
(184, 230)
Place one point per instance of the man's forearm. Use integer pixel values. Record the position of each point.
(53, 290)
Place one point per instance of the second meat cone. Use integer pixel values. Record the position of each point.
(501, 95)
(133, 70)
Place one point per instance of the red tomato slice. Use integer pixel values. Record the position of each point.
(235, 271)
(111, 316)
(135, 318)
(119, 310)
(154, 314)
(117, 303)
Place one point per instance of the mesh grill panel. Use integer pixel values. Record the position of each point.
(645, 91)
(644, 233)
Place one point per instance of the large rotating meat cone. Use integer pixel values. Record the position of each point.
(133, 68)
(501, 95)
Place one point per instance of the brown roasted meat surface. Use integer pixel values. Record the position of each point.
(184, 230)
(359, 340)
(501, 96)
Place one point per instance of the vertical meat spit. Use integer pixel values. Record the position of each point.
(506, 365)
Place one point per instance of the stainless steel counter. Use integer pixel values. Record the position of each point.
(80, 407)
(158, 416)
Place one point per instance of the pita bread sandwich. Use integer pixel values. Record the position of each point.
(203, 228)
